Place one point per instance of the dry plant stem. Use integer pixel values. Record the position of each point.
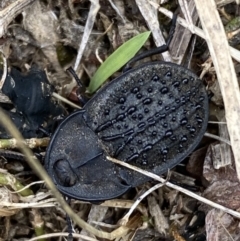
(219, 50)
(51, 202)
(59, 97)
(37, 167)
(28, 186)
(117, 11)
(87, 30)
(31, 143)
(98, 56)
(218, 122)
(124, 220)
(57, 235)
(218, 138)
(4, 75)
(10, 180)
(234, 52)
(180, 189)
(10, 12)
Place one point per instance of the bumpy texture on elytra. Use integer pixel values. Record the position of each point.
(152, 117)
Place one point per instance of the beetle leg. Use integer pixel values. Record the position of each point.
(81, 95)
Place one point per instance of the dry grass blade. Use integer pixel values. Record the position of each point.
(124, 220)
(218, 138)
(118, 11)
(59, 97)
(4, 75)
(219, 50)
(87, 31)
(57, 235)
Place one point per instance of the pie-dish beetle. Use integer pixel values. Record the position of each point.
(152, 116)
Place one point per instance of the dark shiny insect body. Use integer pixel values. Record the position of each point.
(152, 116)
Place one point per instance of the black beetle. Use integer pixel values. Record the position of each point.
(152, 116)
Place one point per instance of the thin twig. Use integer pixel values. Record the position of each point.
(31, 143)
(218, 138)
(180, 189)
(125, 219)
(87, 30)
(57, 235)
(4, 75)
(59, 97)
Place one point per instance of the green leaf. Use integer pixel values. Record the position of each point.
(117, 60)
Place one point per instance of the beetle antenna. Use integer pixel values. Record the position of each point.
(158, 50)
(74, 75)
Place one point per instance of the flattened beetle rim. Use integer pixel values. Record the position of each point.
(47, 163)
(47, 156)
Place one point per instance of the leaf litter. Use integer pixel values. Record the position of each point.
(49, 34)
